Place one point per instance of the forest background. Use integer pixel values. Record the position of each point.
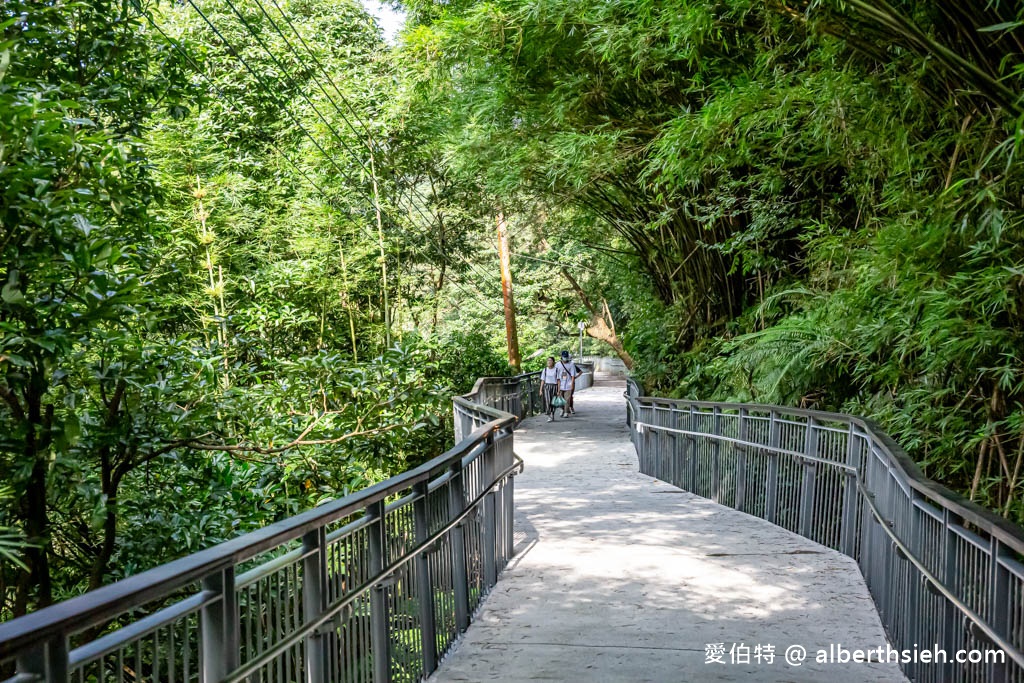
(250, 248)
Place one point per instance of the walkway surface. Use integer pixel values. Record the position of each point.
(620, 577)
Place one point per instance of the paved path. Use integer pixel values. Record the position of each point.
(620, 577)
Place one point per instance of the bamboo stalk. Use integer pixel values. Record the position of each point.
(383, 256)
(980, 467)
(347, 302)
(1016, 474)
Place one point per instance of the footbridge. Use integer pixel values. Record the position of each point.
(642, 539)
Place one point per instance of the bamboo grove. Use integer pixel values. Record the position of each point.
(251, 248)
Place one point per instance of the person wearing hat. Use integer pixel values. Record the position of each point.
(567, 385)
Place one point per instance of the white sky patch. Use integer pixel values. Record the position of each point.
(389, 19)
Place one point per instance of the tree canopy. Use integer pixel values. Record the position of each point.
(250, 247)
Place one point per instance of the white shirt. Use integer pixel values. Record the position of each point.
(568, 371)
(549, 375)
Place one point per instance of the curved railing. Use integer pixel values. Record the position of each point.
(943, 571)
(372, 587)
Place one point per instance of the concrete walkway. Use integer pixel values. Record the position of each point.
(620, 577)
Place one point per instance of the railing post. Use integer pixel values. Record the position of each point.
(913, 615)
(656, 439)
(489, 523)
(949, 618)
(716, 452)
(645, 447)
(772, 482)
(314, 583)
(741, 461)
(673, 457)
(379, 640)
(424, 586)
(664, 444)
(47, 661)
(460, 574)
(457, 422)
(517, 403)
(999, 599)
(690, 451)
(218, 626)
(810, 474)
(850, 493)
(508, 492)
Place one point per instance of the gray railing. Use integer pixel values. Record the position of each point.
(372, 587)
(517, 395)
(943, 571)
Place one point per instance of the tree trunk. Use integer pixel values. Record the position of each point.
(34, 504)
(511, 335)
(383, 255)
(601, 326)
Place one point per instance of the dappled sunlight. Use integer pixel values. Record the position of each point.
(621, 577)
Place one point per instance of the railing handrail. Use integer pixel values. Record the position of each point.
(110, 601)
(981, 517)
(481, 381)
(841, 481)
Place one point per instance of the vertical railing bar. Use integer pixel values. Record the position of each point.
(850, 494)
(314, 600)
(949, 566)
(460, 574)
(489, 539)
(999, 599)
(772, 475)
(379, 640)
(218, 626)
(741, 461)
(48, 660)
(810, 474)
(282, 620)
(425, 585)
(913, 593)
(171, 669)
(716, 453)
(690, 451)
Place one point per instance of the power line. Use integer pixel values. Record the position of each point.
(283, 106)
(285, 156)
(411, 189)
(293, 81)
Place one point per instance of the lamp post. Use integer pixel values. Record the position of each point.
(582, 326)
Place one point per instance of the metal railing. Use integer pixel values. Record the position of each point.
(372, 587)
(517, 395)
(942, 570)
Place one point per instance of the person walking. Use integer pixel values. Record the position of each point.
(568, 372)
(549, 377)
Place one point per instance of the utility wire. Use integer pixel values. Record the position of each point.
(283, 106)
(285, 156)
(370, 138)
(293, 81)
(370, 142)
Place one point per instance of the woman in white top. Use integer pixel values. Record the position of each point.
(549, 377)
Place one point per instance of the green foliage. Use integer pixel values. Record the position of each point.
(191, 328)
(233, 291)
(813, 203)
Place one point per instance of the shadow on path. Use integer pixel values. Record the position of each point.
(620, 577)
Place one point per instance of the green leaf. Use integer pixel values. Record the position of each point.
(1005, 26)
(11, 294)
